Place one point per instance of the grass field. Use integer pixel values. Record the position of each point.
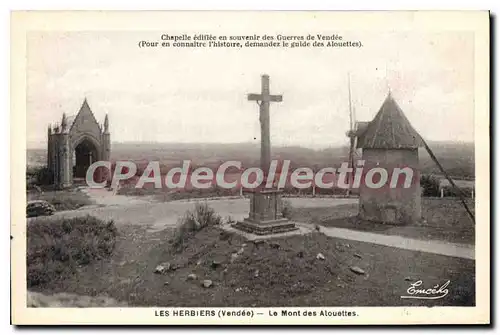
(280, 272)
(457, 158)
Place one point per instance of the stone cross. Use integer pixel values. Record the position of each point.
(263, 99)
(265, 215)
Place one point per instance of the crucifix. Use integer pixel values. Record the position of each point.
(263, 100)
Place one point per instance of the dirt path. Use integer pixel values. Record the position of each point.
(400, 242)
(156, 216)
(160, 215)
(104, 197)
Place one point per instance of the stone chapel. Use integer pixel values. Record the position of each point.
(76, 143)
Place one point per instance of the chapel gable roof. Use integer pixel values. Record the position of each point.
(85, 113)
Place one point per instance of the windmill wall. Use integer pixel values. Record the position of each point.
(398, 205)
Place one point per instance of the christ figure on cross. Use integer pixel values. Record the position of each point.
(263, 100)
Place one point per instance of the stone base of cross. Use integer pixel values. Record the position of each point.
(265, 215)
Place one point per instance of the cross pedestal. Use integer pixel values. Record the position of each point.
(265, 214)
(265, 204)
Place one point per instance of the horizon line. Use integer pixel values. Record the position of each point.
(28, 146)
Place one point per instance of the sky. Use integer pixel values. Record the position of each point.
(199, 95)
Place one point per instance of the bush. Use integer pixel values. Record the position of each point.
(195, 220)
(430, 185)
(39, 176)
(55, 248)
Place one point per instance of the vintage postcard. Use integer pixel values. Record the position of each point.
(227, 167)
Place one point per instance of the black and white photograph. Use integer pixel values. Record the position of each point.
(278, 168)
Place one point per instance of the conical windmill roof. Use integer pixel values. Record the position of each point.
(390, 129)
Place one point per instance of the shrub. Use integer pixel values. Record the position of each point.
(195, 220)
(55, 248)
(39, 176)
(430, 185)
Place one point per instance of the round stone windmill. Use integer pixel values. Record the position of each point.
(390, 142)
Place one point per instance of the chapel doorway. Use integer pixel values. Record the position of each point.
(85, 154)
